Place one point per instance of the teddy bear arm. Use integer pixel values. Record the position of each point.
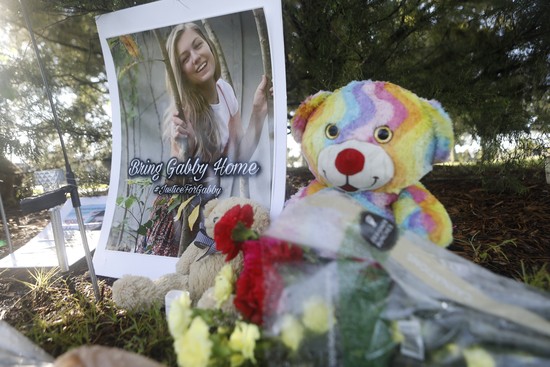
(191, 254)
(417, 210)
(203, 273)
(135, 292)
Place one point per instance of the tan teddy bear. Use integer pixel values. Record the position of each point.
(195, 270)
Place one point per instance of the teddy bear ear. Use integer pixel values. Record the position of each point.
(443, 133)
(304, 111)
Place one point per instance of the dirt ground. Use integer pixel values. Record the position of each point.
(501, 223)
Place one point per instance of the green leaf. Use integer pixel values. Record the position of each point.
(142, 230)
(242, 233)
(129, 201)
(174, 202)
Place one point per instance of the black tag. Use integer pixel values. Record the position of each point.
(378, 231)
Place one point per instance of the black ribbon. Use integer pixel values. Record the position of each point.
(202, 241)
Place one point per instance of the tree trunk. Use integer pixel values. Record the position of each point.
(223, 63)
(186, 232)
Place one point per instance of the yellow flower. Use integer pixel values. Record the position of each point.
(478, 357)
(292, 332)
(243, 339)
(223, 286)
(396, 334)
(318, 316)
(194, 347)
(236, 360)
(179, 315)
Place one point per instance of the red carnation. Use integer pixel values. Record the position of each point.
(276, 250)
(259, 285)
(233, 229)
(250, 293)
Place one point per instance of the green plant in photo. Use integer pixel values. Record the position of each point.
(135, 213)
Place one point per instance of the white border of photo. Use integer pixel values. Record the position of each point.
(163, 14)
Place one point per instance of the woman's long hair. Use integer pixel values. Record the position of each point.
(196, 108)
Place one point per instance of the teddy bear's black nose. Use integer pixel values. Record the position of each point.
(349, 161)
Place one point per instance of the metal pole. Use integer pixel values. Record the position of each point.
(59, 238)
(71, 181)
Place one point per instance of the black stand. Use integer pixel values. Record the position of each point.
(50, 200)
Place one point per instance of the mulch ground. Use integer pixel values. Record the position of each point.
(500, 222)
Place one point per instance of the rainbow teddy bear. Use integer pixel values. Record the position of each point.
(374, 141)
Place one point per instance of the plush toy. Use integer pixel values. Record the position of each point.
(196, 269)
(375, 141)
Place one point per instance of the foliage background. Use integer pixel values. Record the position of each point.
(487, 62)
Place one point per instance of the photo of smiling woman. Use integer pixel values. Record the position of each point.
(199, 112)
(207, 130)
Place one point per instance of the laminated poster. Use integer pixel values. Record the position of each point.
(198, 104)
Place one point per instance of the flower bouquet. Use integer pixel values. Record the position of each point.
(218, 337)
(316, 291)
(411, 303)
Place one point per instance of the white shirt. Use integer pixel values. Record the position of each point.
(227, 107)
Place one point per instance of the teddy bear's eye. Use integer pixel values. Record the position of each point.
(215, 219)
(331, 131)
(383, 134)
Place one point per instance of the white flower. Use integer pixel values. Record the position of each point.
(318, 316)
(194, 347)
(179, 315)
(223, 286)
(292, 332)
(243, 339)
(478, 357)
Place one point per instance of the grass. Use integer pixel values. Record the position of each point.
(538, 277)
(44, 280)
(484, 254)
(60, 313)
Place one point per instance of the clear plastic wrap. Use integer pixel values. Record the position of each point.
(17, 350)
(414, 304)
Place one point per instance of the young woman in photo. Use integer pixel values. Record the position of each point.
(210, 123)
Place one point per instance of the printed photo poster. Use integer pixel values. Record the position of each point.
(198, 101)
